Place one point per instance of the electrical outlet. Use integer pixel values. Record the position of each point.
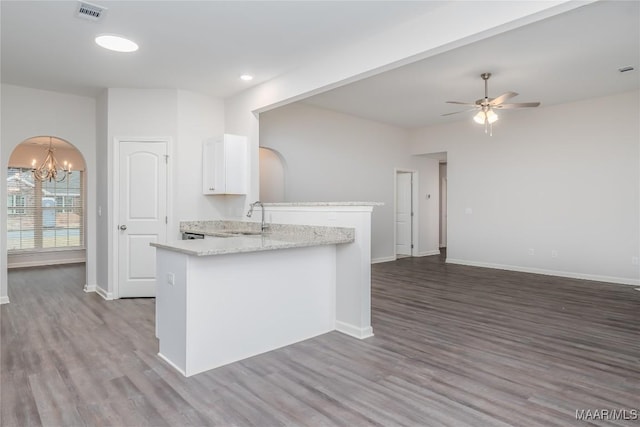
(634, 260)
(171, 278)
(532, 251)
(554, 253)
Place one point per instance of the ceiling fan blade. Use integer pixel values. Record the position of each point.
(517, 105)
(458, 112)
(502, 98)
(461, 103)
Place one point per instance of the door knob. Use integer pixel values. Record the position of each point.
(123, 227)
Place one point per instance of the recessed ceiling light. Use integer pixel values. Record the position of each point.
(246, 77)
(116, 43)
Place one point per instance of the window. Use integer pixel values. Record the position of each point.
(44, 215)
(14, 203)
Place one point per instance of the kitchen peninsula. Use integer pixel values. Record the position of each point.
(240, 292)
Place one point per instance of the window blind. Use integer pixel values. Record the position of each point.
(44, 215)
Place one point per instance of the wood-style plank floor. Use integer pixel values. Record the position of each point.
(454, 346)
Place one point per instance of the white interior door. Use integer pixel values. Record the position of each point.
(403, 213)
(142, 206)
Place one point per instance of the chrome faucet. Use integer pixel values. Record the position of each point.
(263, 226)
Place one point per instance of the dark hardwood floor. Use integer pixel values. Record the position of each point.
(454, 346)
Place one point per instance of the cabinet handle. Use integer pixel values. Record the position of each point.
(211, 188)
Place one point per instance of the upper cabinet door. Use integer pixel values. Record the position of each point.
(236, 157)
(225, 165)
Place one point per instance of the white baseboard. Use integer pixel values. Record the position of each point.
(354, 331)
(104, 294)
(394, 258)
(4, 300)
(42, 263)
(383, 259)
(429, 253)
(89, 288)
(171, 364)
(567, 274)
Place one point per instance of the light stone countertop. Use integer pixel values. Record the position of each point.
(279, 236)
(274, 204)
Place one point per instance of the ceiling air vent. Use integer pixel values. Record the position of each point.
(90, 11)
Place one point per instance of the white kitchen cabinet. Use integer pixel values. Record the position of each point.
(225, 165)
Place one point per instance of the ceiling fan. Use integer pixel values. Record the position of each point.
(486, 106)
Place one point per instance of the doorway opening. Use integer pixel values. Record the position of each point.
(443, 205)
(45, 215)
(405, 213)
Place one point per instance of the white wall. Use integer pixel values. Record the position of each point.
(199, 117)
(240, 120)
(125, 113)
(186, 119)
(336, 157)
(102, 190)
(31, 112)
(561, 178)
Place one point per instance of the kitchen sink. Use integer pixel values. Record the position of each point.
(243, 232)
(233, 233)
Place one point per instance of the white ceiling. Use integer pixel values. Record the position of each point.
(204, 46)
(568, 57)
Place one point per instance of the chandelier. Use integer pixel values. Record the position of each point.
(50, 169)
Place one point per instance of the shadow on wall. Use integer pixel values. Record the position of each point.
(272, 175)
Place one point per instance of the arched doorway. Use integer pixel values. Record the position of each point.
(272, 175)
(46, 218)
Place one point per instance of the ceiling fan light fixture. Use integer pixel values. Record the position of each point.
(486, 115)
(485, 106)
(480, 117)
